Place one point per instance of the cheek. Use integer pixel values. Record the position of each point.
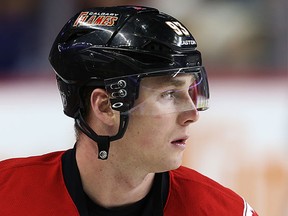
(148, 130)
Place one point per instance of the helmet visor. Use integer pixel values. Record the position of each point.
(160, 92)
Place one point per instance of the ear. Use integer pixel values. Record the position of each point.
(101, 107)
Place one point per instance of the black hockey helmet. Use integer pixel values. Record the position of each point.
(114, 48)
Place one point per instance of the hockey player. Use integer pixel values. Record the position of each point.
(134, 82)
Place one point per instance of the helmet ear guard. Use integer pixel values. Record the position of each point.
(70, 97)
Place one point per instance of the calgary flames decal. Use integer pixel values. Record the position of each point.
(96, 19)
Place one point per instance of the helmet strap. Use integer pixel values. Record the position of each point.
(103, 142)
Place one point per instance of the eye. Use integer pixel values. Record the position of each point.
(170, 94)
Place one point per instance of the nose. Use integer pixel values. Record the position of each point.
(187, 117)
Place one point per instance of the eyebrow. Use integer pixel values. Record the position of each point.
(177, 82)
(168, 81)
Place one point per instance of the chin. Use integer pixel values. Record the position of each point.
(176, 162)
(171, 165)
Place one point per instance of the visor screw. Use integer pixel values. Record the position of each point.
(122, 93)
(122, 84)
(118, 85)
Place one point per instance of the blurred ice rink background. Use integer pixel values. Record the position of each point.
(241, 141)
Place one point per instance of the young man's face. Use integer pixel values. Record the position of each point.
(157, 132)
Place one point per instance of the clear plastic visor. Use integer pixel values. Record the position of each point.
(163, 92)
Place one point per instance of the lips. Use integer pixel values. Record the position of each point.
(180, 141)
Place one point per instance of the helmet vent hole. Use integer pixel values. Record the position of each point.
(157, 47)
(76, 35)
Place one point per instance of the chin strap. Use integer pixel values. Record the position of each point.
(103, 142)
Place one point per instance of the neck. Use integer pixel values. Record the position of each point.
(110, 183)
